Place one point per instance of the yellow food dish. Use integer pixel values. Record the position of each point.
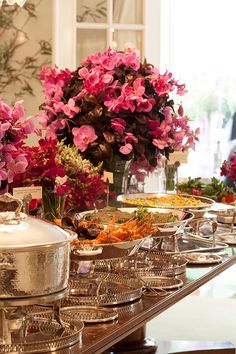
(168, 200)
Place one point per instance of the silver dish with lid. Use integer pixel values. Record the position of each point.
(34, 255)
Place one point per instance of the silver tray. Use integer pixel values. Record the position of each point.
(221, 208)
(110, 289)
(229, 238)
(162, 283)
(206, 202)
(44, 335)
(189, 243)
(202, 258)
(146, 263)
(224, 212)
(86, 314)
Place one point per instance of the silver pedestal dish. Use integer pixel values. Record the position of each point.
(38, 335)
(34, 254)
(146, 263)
(86, 314)
(34, 269)
(22, 332)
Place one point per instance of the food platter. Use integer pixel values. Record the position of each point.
(202, 258)
(168, 221)
(99, 240)
(170, 201)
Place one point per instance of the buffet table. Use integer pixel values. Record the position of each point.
(133, 316)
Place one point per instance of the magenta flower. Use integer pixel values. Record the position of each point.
(14, 129)
(161, 144)
(28, 126)
(18, 110)
(129, 137)
(114, 104)
(83, 136)
(43, 119)
(118, 124)
(69, 109)
(126, 149)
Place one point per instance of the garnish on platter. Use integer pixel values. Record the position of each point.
(94, 233)
(120, 215)
(153, 222)
(215, 189)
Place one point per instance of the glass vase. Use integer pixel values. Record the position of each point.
(120, 169)
(53, 206)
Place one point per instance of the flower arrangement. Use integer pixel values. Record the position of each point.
(14, 129)
(228, 168)
(69, 182)
(115, 105)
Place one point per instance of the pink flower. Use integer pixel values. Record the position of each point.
(181, 90)
(145, 104)
(18, 110)
(15, 167)
(117, 100)
(83, 72)
(84, 136)
(179, 136)
(28, 126)
(3, 128)
(168, 114)
(126, 149)
(129, 137)
(161, 144)
(3, 173)
(43, 119)
(70, 109)
(59, 124)
(130, 47)
(118, 124)
(51, 133)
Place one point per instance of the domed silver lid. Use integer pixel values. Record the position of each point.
(17, 230)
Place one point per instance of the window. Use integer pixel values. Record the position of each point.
(202, 54)
(88, 26)
(192, 38)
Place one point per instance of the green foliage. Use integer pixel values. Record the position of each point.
(215, 190)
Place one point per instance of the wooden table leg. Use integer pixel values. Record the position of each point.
(135, 343)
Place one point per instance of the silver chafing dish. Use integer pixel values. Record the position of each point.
(34, 255)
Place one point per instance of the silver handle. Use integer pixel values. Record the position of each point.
(8, 198)
(88, 252)
(7, 217)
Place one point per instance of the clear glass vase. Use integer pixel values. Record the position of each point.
(120, 169)
(53, 206)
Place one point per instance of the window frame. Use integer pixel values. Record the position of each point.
(65, 27)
